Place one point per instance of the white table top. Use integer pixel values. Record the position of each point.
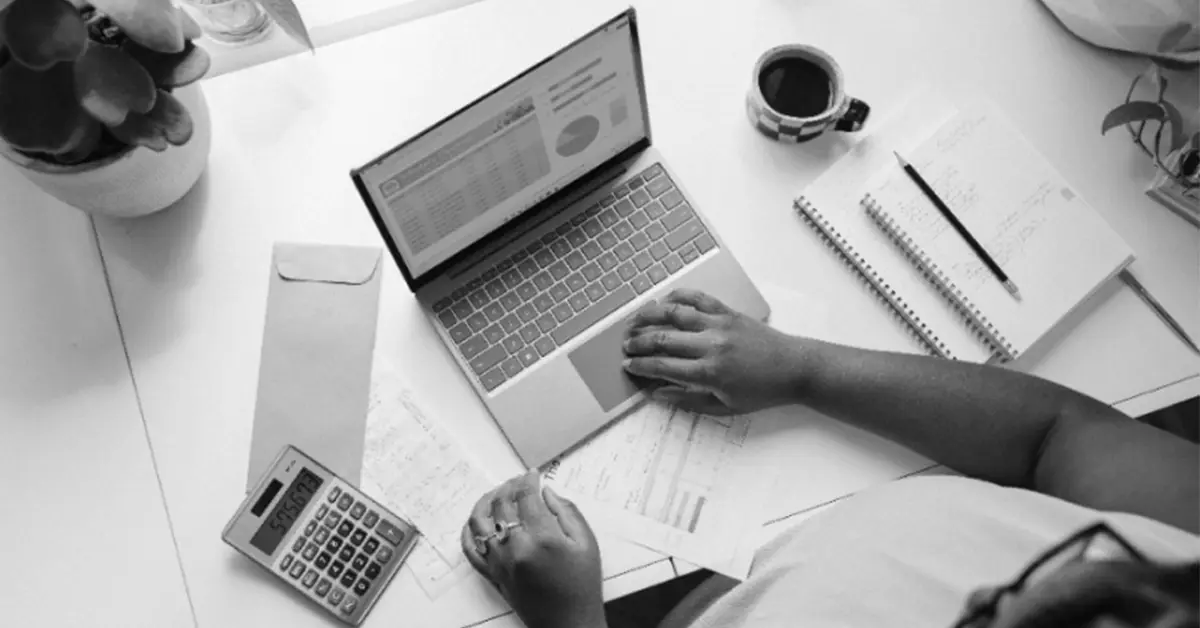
(190, 283)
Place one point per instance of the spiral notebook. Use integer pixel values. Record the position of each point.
(1054, 246)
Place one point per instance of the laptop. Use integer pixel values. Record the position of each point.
(532, 223)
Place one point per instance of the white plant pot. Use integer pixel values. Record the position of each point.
(134, 182)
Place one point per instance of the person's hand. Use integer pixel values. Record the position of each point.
(708, 358)
(548, 566)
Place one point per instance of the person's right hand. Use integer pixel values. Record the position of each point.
(708, 358)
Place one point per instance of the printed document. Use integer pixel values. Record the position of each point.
(682, 484)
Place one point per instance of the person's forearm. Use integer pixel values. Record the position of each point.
(982, 421)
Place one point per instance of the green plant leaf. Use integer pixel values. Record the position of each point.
(167, 123)
(1134, 111)
(109, 84)
(1174, 35)
(1175, 119)
(288, 17)
(38, 110)
(86, 146)
(41, 33)
(172, 70)
(4, 4)
(154, 24)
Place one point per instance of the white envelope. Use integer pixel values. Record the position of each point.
(314, 378)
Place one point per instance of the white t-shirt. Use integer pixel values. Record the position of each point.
(908, 553)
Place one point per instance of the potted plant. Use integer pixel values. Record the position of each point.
(1157, 127)
(99, 101)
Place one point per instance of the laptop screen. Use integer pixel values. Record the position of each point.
(487, 164)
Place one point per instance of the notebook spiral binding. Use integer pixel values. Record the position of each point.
(884, 292)
(983, 328)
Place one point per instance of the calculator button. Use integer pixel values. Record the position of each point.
(310, 552)
(334, 544)
(333, 519)
(321, 511)
(310, 528)
(298, 546)
(323, 587)
(371, 546)
(345, 502)
(335, 569)
(373, 570)
(297, 569)
(358, 537)
(345, 529)
(349, 605)
(358, 511)
(362, 587)
(285, 563)
(348, 578)
(346, 554)
(323, 560)
(322, 535)
(390, 533)
(371, 519)
(309, 579)
(336, 595)
(334, 494)
(359, 562)
(385, 554)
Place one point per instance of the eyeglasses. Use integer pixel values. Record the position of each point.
(1095, 542)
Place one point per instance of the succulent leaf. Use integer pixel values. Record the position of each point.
(41, 33)
(109, 84)
(167, 123)
(285, 13)
(172, 70)
(86, 147)
(191, 28)
(38, 110)
(155, 24)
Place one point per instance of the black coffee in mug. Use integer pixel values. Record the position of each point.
(798, 93)
(795, 87)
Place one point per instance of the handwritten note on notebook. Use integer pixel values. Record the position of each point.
(1049, 241)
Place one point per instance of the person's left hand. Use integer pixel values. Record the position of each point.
(548, 566)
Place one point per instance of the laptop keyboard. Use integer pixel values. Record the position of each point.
(521, 310)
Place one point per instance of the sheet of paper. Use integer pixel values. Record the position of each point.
(675, 482)
(416, 468)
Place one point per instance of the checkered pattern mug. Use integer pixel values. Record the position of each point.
(797, 93)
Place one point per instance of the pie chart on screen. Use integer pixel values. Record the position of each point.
(577, 136)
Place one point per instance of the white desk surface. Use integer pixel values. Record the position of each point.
(190, 283)
(87, 539)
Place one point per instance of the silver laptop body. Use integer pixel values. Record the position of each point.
(533, 223)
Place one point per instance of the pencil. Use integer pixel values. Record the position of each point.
(958, 226)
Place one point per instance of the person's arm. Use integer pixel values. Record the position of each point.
(986, 422)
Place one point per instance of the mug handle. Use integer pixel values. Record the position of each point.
(854, 118)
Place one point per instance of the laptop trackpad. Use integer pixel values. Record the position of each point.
(598, 362)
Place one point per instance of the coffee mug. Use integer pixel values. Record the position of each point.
(798, 93)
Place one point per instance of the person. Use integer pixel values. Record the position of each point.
(1084, 516)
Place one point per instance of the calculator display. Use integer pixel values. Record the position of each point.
(302, 490)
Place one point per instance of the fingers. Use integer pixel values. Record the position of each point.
(671, 369)
(701, 301)
(680, 316)
(666, 341)
(531, 508)
(470, 550)
(573, 524)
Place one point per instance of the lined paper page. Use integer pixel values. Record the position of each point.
(1045, 237)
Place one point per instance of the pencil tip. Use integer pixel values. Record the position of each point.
(900, 159)
(1012, 289)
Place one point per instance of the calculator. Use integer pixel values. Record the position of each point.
(321, 535)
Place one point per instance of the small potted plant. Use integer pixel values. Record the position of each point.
(1157, 127)
(99, 100)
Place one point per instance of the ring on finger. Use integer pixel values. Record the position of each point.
(481, 546)
(503, 528)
